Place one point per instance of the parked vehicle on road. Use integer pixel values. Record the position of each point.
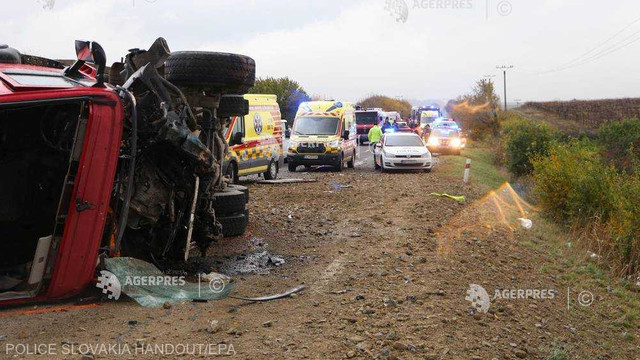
(131, 167)
(404, 127)
(445, 141)
(445, 123)
(365, 119)
(324, 133)
(423, 115)
(255, 140)
(402, 151)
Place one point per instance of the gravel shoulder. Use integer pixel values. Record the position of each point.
(387, 268)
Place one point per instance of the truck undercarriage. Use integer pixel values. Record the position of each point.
(168, 196)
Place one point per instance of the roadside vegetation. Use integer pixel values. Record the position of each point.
(289, 92)
(484, 173)
(590, 185)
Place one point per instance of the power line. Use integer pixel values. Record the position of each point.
(597, 56)
(602, 43)
(584, 59)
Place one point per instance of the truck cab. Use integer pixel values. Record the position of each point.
(60, 137)
(365, 120)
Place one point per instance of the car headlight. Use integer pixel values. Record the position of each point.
(432, 141)
(293, 144)
(333, 143)
(456, 142)
(389, 155)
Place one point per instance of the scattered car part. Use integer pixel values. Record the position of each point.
(192, 215)
(272, 297)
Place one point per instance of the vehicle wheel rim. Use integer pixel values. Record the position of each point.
(273, 170)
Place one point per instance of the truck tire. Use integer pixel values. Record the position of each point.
(240, 188)
(234, 225)
(233, 105)
(229, 202)
(352, 163)
(215, 71)
(339, 165)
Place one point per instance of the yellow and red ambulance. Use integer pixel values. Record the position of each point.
(255, 140)
(324, 133)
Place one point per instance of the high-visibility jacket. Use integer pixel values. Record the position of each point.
(375, 134)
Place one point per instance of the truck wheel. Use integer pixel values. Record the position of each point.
(229, 202)
(272, 171)
(339, 166)
(232, 105)
(352, 163)
(240, 188)
(220, 72)
(232, 173)
(291, 166)
(234, 225)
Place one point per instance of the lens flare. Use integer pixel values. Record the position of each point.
(498, 210)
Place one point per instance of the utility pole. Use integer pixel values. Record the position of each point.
(504, 69)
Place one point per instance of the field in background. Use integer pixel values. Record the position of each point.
(585, 115)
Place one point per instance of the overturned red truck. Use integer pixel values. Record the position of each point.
(128, 162)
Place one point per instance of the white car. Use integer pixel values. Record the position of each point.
(402, 151)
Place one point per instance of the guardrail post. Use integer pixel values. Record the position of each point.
(467, 168)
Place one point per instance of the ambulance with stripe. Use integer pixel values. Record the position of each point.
(255, 140)
(324, 133)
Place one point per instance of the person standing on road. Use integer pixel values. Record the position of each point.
(426, 132)
(375, 133)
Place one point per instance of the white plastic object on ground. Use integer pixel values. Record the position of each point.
(526, 223)
(40, 259)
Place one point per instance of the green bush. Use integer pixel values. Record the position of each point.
(576, 187)
(572, 183)
(524, 140)
(620, 141)
(623, 227)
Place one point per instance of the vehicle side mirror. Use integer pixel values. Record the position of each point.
(345, 134)
(89, 52)
(236, 138)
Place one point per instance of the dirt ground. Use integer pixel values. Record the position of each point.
(387, 269)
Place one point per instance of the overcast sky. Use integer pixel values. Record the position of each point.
(348, 49)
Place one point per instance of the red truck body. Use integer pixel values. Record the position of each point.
(72, 260)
